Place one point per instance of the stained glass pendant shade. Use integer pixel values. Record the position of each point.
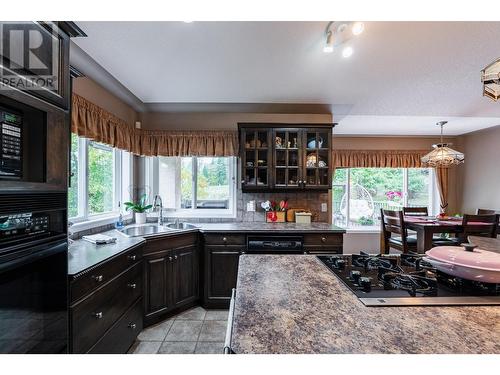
(442, 155)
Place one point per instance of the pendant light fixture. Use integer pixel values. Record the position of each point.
(443, 156)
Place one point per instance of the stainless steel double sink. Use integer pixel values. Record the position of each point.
(148, 229)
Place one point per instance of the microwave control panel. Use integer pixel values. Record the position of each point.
(11, 161)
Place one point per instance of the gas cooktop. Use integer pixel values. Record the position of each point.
(406, 280)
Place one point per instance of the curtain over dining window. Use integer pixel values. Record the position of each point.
(93, 122)
(390, 159)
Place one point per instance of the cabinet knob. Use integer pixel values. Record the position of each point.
(243, 252)
(170, 259)
(98, 315)
(323, 239)
(132, 257)
(98, 278)
(243, 182)
(132, 326)
(175, 257)
(132, 285)
(224, 239)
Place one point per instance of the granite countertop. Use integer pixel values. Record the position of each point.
(294, 304)
(266, 227)
(83, 254)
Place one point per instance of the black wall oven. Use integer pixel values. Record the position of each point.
(33, 273)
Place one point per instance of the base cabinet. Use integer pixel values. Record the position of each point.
(171, 276)
(221, 272)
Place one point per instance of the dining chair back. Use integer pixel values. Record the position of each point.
(415, 211)
(394, 233)
(486, 211)
(487, 227)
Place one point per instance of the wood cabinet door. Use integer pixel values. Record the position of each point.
(158, 288)
(185, 276)
(221, 271)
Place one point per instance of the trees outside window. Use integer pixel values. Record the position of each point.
(100, 179)
(360, 193)
(196, 186)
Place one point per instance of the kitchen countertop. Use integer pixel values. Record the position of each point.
(266, 227)
(294, 304)
(84, 254)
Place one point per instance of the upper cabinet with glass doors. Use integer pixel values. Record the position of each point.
(277, 157)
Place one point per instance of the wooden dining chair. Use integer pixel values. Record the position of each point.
(392, 222)
(415, 211)
(487, 228)
(486, 211)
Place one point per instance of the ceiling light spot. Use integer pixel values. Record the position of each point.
(357, 28)
(347, 52)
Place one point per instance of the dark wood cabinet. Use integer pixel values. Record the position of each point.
(221, 271)
(285, 156)
(104, 301)
(171, 275)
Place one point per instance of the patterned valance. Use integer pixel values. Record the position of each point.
(91, 121)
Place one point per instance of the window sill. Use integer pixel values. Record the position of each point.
(361, 230)
(98, 221)
(198, 214)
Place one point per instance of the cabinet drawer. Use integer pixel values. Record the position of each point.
(225, 239)
(323, 239)
(170, 242)
(94, 278)
(119, 338)
(99, 311)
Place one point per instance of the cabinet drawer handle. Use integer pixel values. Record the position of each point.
(170, 259)
(175, 257)
(132, 326)
(132, 257)
(224, 239)
(242, 252)
(132, 285)
(323, 239)
(98, 315)
(98, 278)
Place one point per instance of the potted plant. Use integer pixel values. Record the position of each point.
(139, 208)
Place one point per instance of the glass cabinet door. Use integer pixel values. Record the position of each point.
(317, 158)
(287, 160)
(256, 157)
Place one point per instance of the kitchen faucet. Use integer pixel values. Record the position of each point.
(157, 203)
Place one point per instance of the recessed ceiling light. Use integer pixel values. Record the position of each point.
(347, 52)
(357, 28)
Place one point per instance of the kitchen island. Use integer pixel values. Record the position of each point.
(294, 304)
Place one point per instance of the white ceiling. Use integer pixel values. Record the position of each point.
(401, 79)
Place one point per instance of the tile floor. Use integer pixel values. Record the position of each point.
(195, 331)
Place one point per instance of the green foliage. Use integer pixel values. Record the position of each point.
(100, 178)
(139, 206)
(366, 221)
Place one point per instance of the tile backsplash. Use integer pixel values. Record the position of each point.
(307, 200)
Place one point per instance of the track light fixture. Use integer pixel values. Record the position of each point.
(338, 33)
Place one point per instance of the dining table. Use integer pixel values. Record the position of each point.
(427, 226)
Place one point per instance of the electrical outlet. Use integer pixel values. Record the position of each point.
(324, 207)
(251, 206)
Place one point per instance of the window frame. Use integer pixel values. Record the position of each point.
(122, 173)
(152, 178)
(433, 194)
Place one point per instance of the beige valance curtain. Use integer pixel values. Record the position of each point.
(377, 159)
(390, 159)
(91, 121)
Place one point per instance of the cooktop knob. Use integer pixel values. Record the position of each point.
(365, 283)
(354, 276)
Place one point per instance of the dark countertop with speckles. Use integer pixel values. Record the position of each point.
(83, 254)
(294, 304)
(270, 227)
